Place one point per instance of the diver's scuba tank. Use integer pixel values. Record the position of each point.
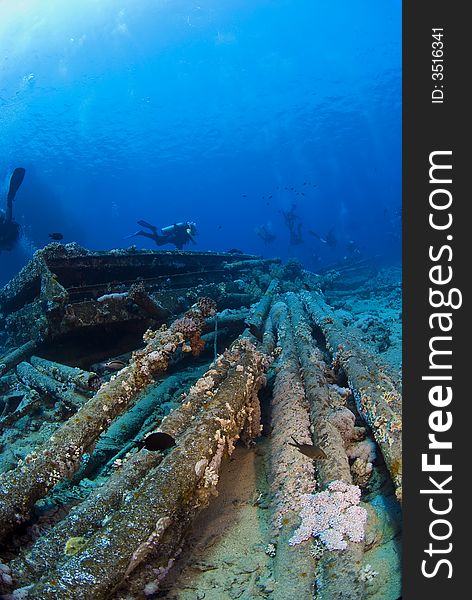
(172, 228)
(188, 227)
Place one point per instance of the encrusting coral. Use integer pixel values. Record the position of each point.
(134, 513)
(332, 515)
(152, 517)
(377, 399)
(292, 474)
(325, 401)
(359, 448)
(60, 456)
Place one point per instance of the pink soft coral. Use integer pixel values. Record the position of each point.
(332, 515)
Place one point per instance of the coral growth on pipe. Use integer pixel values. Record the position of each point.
(152, 517)
(61, 455)
(332, 515)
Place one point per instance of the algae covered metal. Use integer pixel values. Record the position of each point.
(218, 352)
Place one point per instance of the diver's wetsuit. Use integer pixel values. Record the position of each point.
(9, 228)
(9, 233)
(178, 234)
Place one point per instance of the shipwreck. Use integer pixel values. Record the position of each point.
(227, 353)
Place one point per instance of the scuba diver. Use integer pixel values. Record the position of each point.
(178, 234)
(265, 233)
(295, 229)
(9, 228)
(330, 239)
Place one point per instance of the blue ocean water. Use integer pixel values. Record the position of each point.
(207, 111)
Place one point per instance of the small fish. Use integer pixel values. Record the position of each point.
(244, 195)
(113, 365)
(156, 441)
(313, 452)
(56, 236)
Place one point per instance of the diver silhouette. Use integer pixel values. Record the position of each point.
(9, 228)
(178, 234)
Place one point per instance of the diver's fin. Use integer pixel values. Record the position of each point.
(15, 182)
(153, 228)
(317, 236)
(127, 237)
(151, 236)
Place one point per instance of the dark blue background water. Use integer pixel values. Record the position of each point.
(173, 110)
